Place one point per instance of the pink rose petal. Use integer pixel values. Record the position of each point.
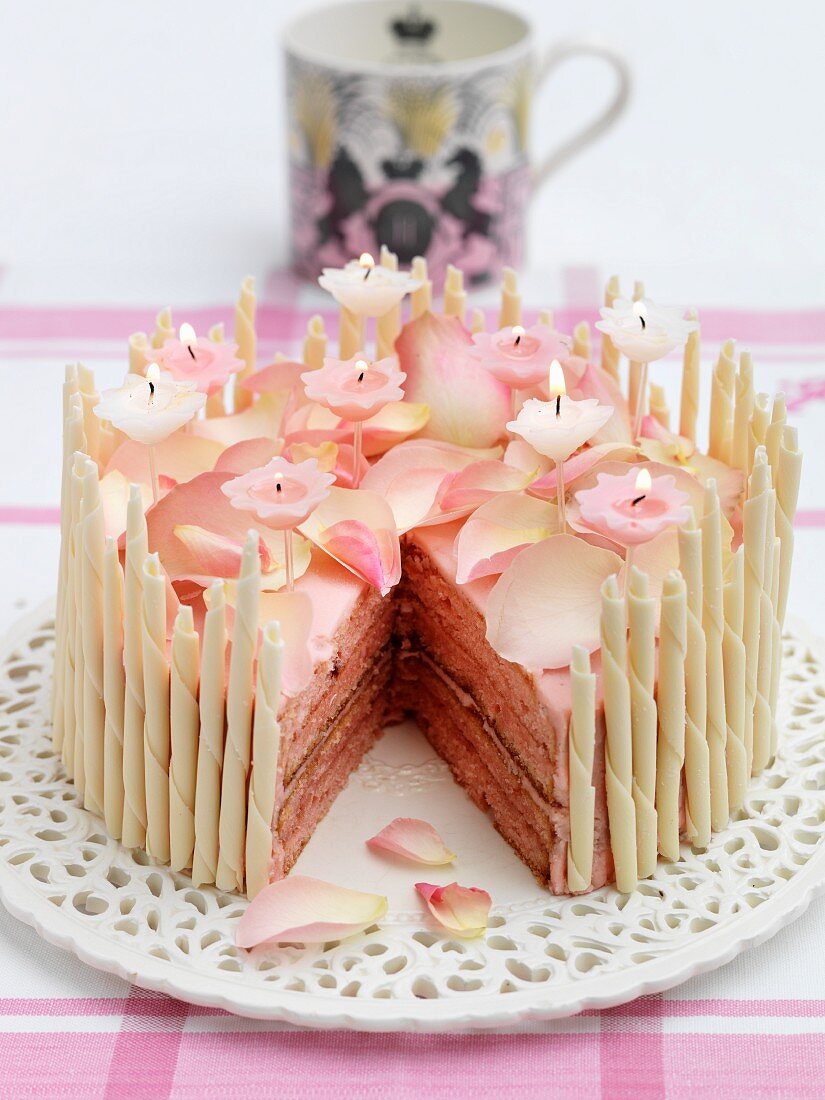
(578, 465)
(216, 555)
(248, 455)
(500, 529)
(293, 612)
(480, 481)
(261, 420)
(462, 910)
(595, 382)
(548, 600)
(468, 406)
(357, 528)
(284, 374)
(306, 910)
(180, 457)
(395, 422)
(414, 839)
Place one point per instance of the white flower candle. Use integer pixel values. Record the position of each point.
(697, 757)
(365, 290)
(211, 741)
(157, 738)
(621, 809)
(264, 780)
(670, 753)
(114, 689)
(184, 725)
(641, 614)
(713, 624)
(581, 747)
(134, 714)
(232, 829)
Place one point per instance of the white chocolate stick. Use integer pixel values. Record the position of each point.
(670, 753)
(759, 424)
(388, 327)
(510, 311)
(73, 568)
(691, 372)
(621, 810)
(157, 740)
(546, 318)
(75, 760)
(212, 736)
(239, 693)
(636, 372)
(139, 347)
(641, 612)
(94, 712)
(114, 688)
(755, 531)
(185, 722)
(455, 296)
(216, 403)
(91, 423)
(697, 756)
(477, 320)
(581, 744)
(610, 356)
(421, 300)
(776, 645)
(658, 405)
(740, 453)
(582, 344)
(733, 653)
(721, 404)
(246, 339)
(266, 778)
(787, 494)
(164, 329)
(713, 624)
(774, 433)
(351, 331)
(315, 343)
(762, 718)
(134, 804)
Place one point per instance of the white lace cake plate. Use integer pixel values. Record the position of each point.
(542, 957)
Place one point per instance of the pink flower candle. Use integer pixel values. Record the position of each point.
(196, 359)
(282, 494)
(517, 356)
(634, 507)
(355, 390)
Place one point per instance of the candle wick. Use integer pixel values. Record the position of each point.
(277, 486)
(151, 392)
(367, 274)
(518, 340)
(191, 352)
(558, 405)
(361, 377)
(638, 500)
(643, 322)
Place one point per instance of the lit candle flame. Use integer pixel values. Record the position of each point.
(641, 313)
(558, 389)
(152, 375)
(518, 332)
(644, 483)
(186, 335)
(366, 261)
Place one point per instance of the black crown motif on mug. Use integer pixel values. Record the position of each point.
(413, 27)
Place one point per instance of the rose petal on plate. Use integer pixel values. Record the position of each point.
(468, 406)
(500, 529)
(462, 910)
(300, 909)
(414, 839)
(548, 600)
(356, 527)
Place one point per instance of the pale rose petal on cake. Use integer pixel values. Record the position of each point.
(248, 455)
(462, 910)
(595, 382)
(480, 481)
(548, 600)
(657, 558)
(180, 457)
(294, 614)
(357, 528)
(468, 406)
(215, 555)
(394, 423)
(299, 909)
(499, 530)
(518, 452)
(284, 374)
(325, 454)
(730, 483)
(578, 465)
(114, 498)
(413, 839)
(262, 419)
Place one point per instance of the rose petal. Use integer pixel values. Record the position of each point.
(548, 600)
(578, 465)
(500, 529)
(248, 454)
(463, 910)
(114, 499)
(260, 420)
(480, 481)
(306, 910)
(284, 374)
(595, 382)
(414, 839)
(356, 527)
(180, 457)
(394, 423)
(294, 614)
(216, 555)
(468, 406)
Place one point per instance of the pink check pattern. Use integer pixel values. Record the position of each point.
(754, 1029)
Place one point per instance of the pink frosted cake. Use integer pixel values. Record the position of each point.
(485, 528)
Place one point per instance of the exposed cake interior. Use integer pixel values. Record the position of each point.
(422, 651)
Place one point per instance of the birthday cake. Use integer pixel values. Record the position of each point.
(479, 523)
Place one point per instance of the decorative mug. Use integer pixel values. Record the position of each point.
(408, 128)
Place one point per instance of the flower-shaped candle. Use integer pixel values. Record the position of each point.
(355, 390)
(282, 494)
(558, 427)
(149, 408)
(644, 332)
(633, 507)
(367, 290)
(518, 356)
(196, 359)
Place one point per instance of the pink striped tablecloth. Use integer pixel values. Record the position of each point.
(755, 1028)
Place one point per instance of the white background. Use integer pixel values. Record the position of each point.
(143, 149)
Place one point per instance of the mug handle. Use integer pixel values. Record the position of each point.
(552, 60)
